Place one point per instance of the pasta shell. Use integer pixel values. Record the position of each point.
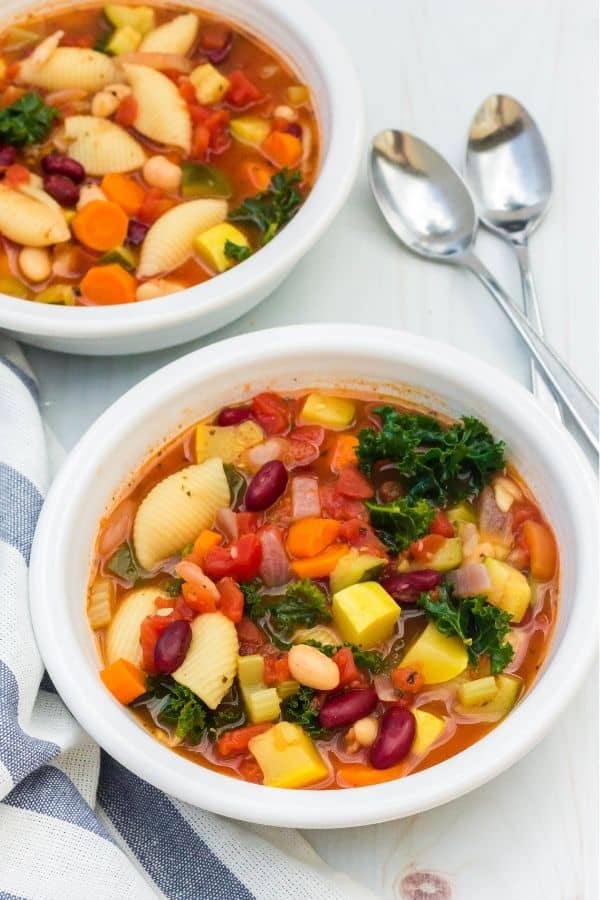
(123, 633)
(170, 240)
(69, 67)
(162, 113)
(40, 56)
(26, 220)
(211, 662)
(101, 146)
(176, 36)
(100, 603)
(177, 509)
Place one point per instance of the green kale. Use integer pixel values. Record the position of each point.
(400, 522)
(237, 251)
(481, 627)
(303, 605)
(123, 564)
(439, 464)
(237, 485)
(273, 208)
(302, 709)
(253, 602)
(26, 121)
(173, 587)
(370, 660)
(179, 707)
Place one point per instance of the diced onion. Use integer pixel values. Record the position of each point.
(305, 497)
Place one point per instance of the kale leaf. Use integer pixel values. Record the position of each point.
(124, 565)
(302, 709)
(26, 121)
(481, 627)
(236, 251)
(173, 587)
(371, 660)
(253, 601)
(303, 605)
(273, 208)
(401, 522)
(181, 707)
(237, 485)
(439, 464)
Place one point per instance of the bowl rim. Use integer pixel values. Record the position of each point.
(337, 172)
(122, 737)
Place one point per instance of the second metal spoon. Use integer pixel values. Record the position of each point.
(428, 206)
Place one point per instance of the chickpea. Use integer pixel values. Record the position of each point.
(365, 731)
(104, 104)
(35, 264)
(285, 112)
(158, 172)
(312, 668)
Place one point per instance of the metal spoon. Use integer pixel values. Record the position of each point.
(429, 207)
(508, 170)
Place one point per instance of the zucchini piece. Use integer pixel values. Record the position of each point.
(57, 293)
(462, 512)
(287, 689)
(477, 692)
(449, 556)
(141, 18)
(251, 130)
(122, 256)
(14, 287)
(251, 669)
(100, 603)
(508, 689)
(262, 703)
(210, 246)
(199, 180)
(355, 567)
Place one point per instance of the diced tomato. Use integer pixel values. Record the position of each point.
(425, 548)
(251, 771)
(240, 560)
(353, 483)
(198, 598)
(200, 141)
(248, 633)
(215, 36)
(360, 535)
(339, 507)
(271, 412)
(241, 91)
(521, 510)
(154, 205)
(127, 111)
(314, 434)
(247, 522)
(441, 524)
(300, 453)
(276, 669)
(183, 610)
(232, 599)
(218, 127)
(77, 40)
(407, 680)
(344, 660)
(16, 175)
(187, 91)
(236, 741)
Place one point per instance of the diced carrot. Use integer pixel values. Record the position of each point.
(105, 285)
(215, 36)
(359, 775)
(124, 680)
(310, 536)
(344, 660)
(282, 149)
(407, 680)
(16, 175)
(200, 141)
(344, 452)
(320, 566)
(276, 669)
(236, 741)
(441, 524)
(101, 225)
(353, 483)
(255, 175)
(124, 190)
(232, 599)
(199, 598)
(542, 550)
(205, 540)
(154, 205)
(127, 112)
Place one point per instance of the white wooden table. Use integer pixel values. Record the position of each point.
(425, 66)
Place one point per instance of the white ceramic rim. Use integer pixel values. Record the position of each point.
(119, 734)
(337, 172)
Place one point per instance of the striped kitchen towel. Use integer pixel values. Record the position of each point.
(75, 824)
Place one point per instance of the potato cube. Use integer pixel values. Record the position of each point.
(438, 658)
(429, 728)
(365, 614)
(509, 589)
(287, 756)
(250, 130)
(210, 245)
(210, 85)
(330, 412)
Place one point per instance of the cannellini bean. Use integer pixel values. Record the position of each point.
(312, 668)
(159, 172)
(506, 491)
(104, 104)
(88, 193)
(365, 731)
(285, 112)
(157, 287)
(35, 264)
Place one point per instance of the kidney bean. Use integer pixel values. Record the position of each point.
(233, 415)
(136, 232)
(347, 708)
(64, 191)
(267, 486)
(406, 586)
(396, 734)
(57, 164)
(295, 129)
(171, 646)
(8, 155)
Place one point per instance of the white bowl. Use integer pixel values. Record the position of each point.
(299, 35)
(325, 356)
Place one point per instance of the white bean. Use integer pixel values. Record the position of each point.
(312, 668)
(159, 172)
(285, 112)
(35, 264)
(104, 104)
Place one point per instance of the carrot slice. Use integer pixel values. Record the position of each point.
(125, 191)
(236, 741)
(542, 550)
(255, 175)
(319, 566)
(101, 225)
(204, 542)
(310, 536)
(282, 149)
(344, 452)
(124, 680)
(110, 284)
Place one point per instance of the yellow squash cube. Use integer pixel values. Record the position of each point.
(330, 412)
(210, 85)
(509, 589)
(365, 614)
(438, 658)
(429, 728)
(210, 245)
(287, 756)
(250, 130)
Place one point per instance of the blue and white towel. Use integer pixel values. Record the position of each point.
(74, 823)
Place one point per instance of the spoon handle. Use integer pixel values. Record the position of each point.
(574, 395)
(540, 386)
